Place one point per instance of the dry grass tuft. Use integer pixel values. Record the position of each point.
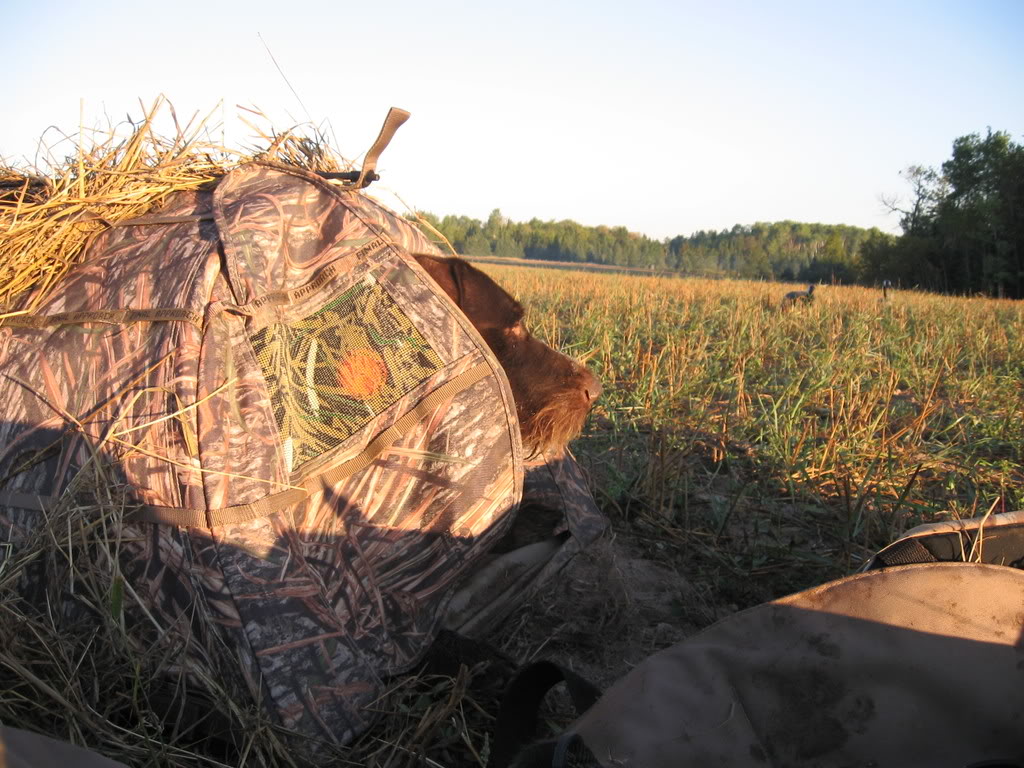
(46, 220)
(83, 659)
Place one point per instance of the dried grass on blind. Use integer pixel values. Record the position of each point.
(46, 220)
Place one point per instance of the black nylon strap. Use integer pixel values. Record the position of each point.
(517, 718)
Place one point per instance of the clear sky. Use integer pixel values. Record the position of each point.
(663, 117)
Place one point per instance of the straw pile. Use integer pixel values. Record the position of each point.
(108, 681)
(46, 221)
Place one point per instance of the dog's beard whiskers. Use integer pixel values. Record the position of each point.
(558, 421)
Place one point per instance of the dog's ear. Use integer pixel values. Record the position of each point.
(487, 305)
(443, 272)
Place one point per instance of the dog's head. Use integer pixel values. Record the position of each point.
(553, 393)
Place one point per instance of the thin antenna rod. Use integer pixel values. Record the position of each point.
(284, 77)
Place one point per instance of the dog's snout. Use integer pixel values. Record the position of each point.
(591, 385)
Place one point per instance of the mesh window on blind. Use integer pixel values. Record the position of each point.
(332, 372)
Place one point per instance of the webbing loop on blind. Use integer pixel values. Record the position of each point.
(110, 316)
(392, 123)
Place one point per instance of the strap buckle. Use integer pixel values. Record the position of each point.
(362, 179)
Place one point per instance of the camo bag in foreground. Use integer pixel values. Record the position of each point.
(316, 448)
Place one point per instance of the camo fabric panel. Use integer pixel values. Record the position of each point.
(280, 226)
(112, 385)
(116, 399)
(260, 209)
(349, 587)
(332, 372)
(557, 482)
(555, 490)
(443, 328)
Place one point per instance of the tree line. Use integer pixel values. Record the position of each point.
(962, 233)
(963, 227)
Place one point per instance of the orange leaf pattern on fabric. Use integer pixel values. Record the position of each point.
(332, 372)
(362, 374)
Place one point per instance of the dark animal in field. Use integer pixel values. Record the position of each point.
(553, 393)
(886, 285)
(793, 297)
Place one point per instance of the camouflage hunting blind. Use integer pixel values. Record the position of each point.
(306, 447)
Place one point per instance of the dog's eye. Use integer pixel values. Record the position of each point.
(518, 331)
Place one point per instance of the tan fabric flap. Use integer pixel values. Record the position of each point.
(910, 666)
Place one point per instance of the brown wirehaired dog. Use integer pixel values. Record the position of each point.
(553, 393)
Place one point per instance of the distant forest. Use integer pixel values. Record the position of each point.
(963, 232)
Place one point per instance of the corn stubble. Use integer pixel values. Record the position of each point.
(770, 448)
